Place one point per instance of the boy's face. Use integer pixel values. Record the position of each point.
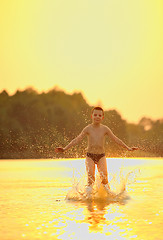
(97, 116)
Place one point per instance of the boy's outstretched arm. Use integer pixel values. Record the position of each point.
(119, 141)
(74, 142)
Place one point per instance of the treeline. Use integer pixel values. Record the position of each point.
(33, 124)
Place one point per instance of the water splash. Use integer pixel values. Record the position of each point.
(118, 185)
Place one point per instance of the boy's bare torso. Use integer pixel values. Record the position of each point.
(96, 138)
(96, 133)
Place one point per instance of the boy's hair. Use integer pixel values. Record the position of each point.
(98, 108)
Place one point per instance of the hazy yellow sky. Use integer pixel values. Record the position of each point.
(111, 51)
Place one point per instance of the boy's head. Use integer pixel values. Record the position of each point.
(98, 108)
(97, 114)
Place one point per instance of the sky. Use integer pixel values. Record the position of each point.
(111, 51)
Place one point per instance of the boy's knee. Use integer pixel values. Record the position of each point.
(104, 181)
(104, 178)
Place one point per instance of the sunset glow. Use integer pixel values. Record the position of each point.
(111, 51)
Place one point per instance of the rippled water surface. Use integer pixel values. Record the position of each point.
(33, 204)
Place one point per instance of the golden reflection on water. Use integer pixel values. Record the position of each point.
(33, 205)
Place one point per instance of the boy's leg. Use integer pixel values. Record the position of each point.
(102, 168)
(90, 167)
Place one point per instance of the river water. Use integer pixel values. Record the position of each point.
(34, 202)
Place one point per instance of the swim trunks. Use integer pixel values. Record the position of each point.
(95, 157)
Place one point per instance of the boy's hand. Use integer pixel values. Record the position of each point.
(59, 150)
(133, 148)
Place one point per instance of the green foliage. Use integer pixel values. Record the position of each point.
(147, 135)
(32, 125)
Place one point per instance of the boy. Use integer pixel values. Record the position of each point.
(96, 133)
